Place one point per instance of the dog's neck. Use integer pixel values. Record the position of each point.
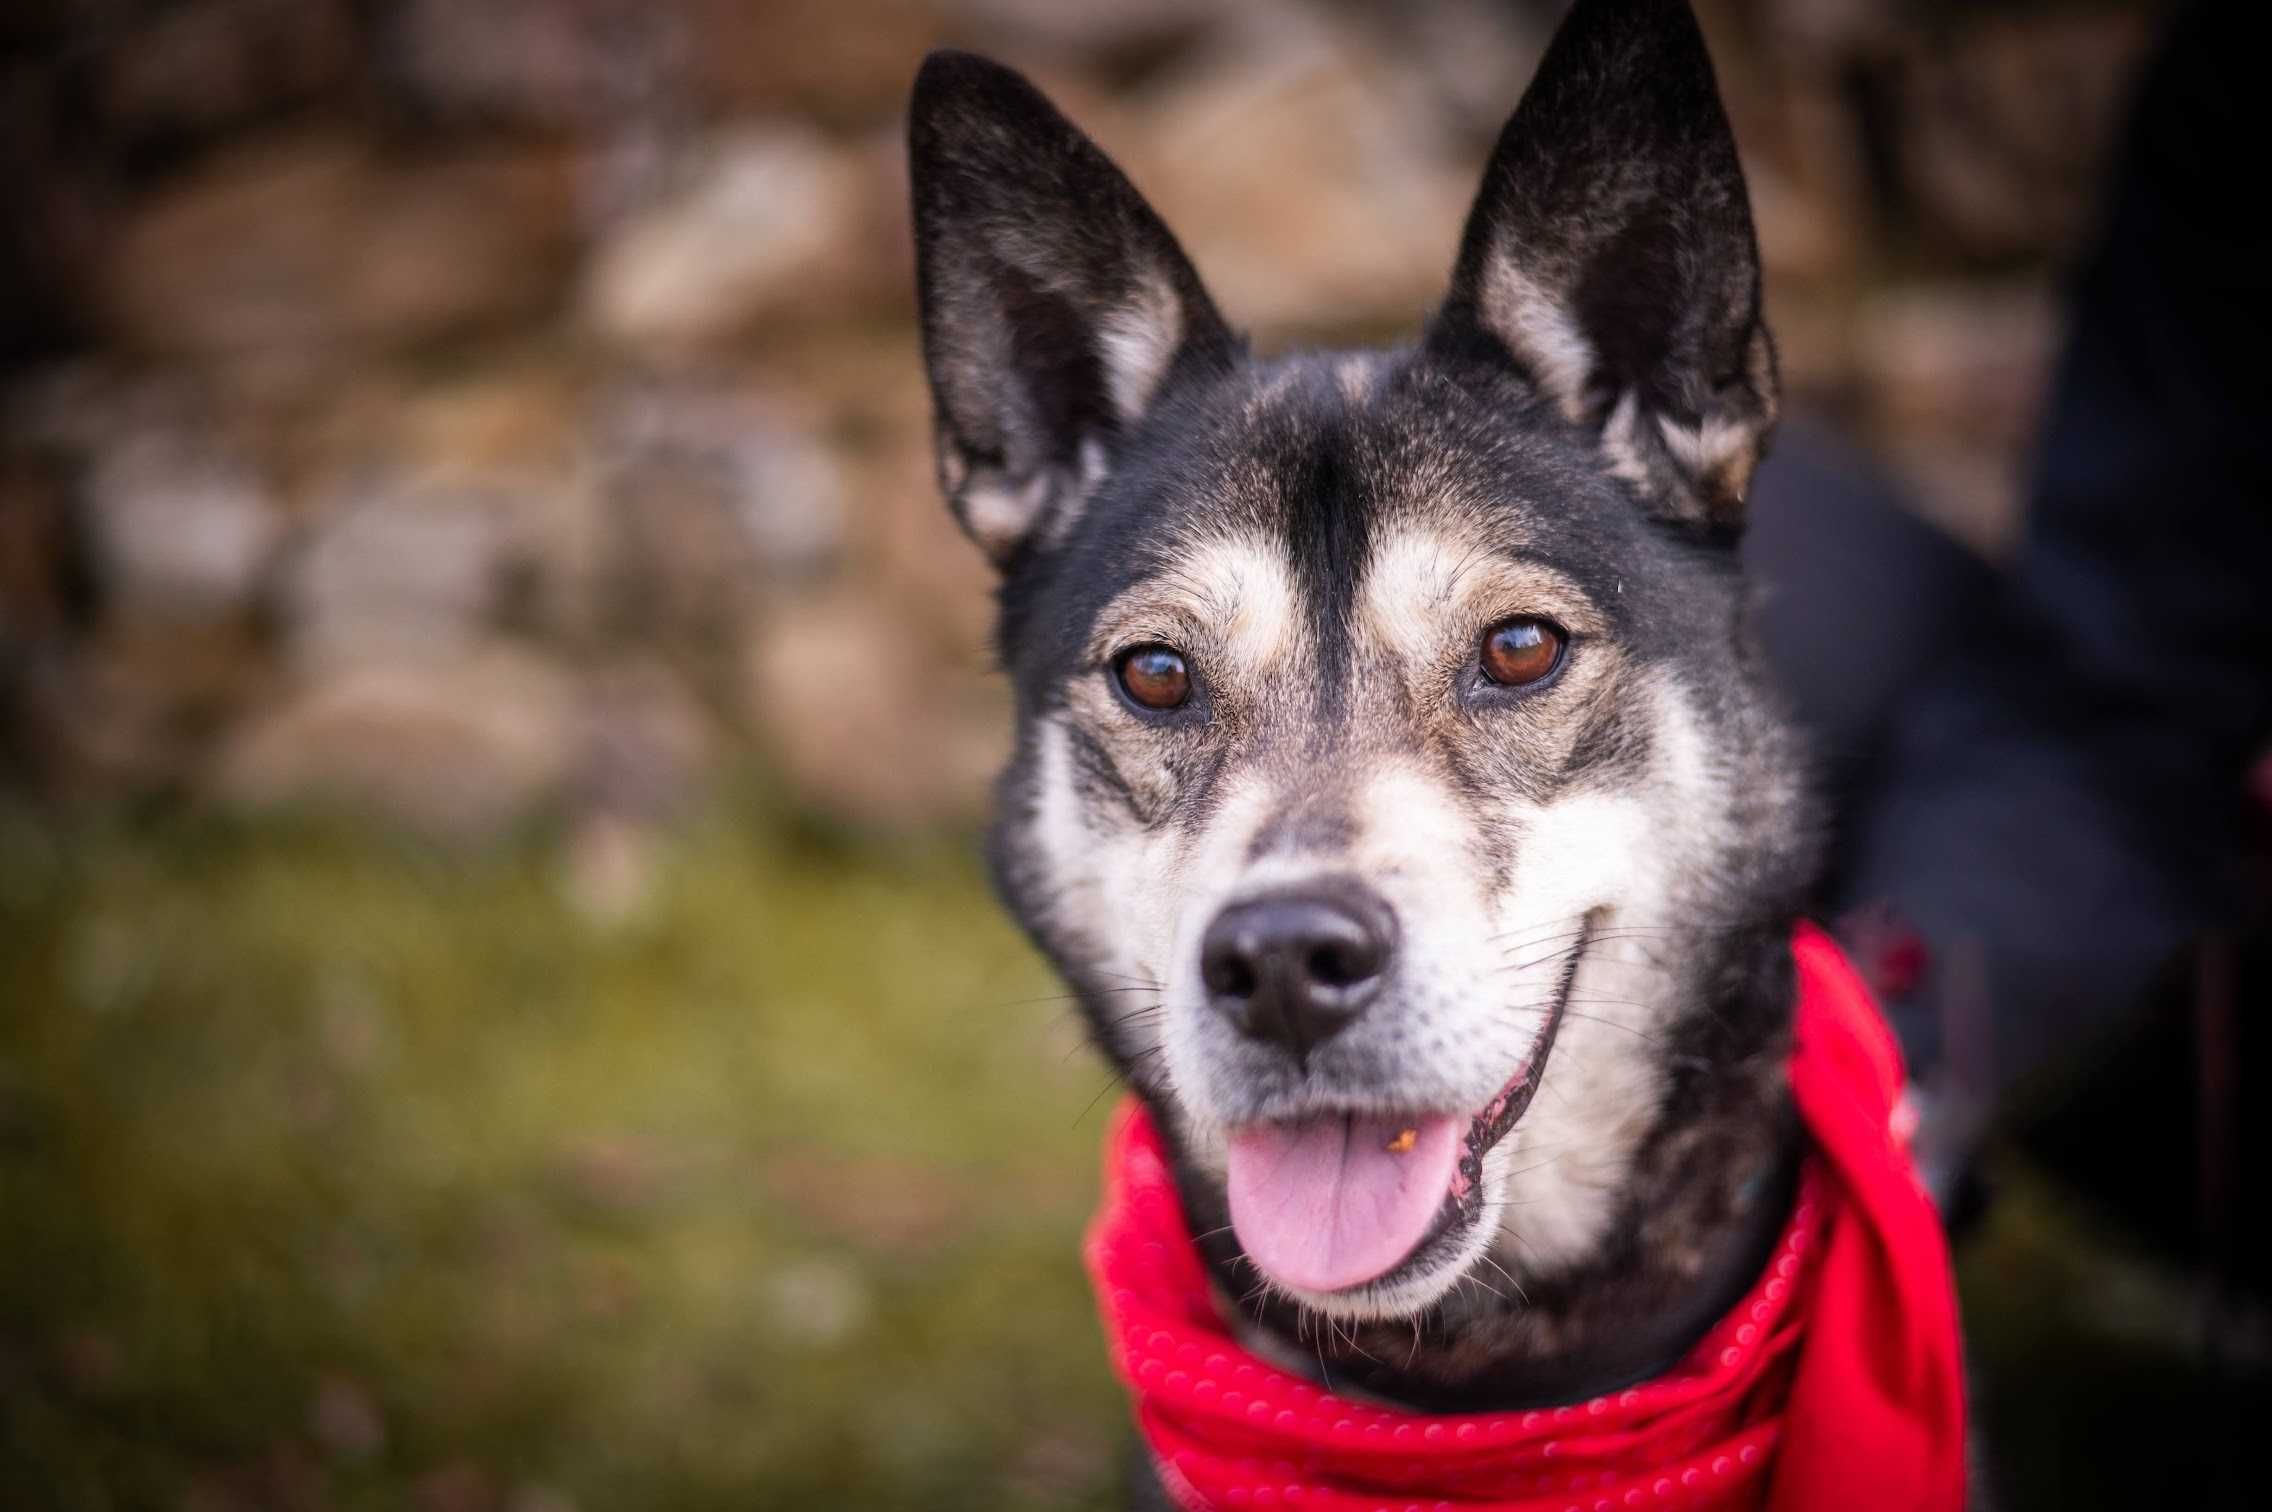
(1709, 1193)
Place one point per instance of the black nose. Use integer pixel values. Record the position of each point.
(1296, 968)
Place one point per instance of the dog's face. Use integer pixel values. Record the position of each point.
(1390, 746)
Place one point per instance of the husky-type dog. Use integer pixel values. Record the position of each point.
(1396, 782)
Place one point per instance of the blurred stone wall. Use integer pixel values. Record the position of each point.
(475, 407)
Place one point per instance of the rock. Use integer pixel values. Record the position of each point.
(1814, 345)
(782, 490)
(815, 59)
(126, 711)
(761, 225)
(1830, 28)
(1954, 375)
(647, 745)
(536, 63)
(685, 574)
(902, 534)
(1808, 170)
(1458, 63)
(2004, 126)
(1090, 32)
(718, 490)
(517, 415)
(1958, 359)
(455, 746)
(178, 530)
(78, 409)
(503, 450)
(34, 557)
(1974, 493)
(424, 350)
(322, 246)
(590, 64)
(188, 72)
(1800, 238)
(871, 716)
(1317, 202)
(514, 445)
(398, 563)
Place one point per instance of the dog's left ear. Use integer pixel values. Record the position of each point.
(1610, 254)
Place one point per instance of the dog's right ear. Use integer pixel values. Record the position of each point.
(1056, 306)
(1610, 254)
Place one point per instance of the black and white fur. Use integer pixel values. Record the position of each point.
(1325, 536)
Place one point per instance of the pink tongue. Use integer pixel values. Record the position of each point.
(1325, 1205)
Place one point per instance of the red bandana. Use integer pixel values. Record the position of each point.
(1835, 1382)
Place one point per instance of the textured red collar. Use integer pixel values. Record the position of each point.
(1835, 1382)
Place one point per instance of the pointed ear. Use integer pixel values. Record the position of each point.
(1056, 306)
(1610, 255)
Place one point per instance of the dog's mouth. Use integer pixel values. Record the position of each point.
(1343, 1201)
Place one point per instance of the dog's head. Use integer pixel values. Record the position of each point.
(1391, 753)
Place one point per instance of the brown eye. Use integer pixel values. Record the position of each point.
(1154, 677)
(1518, 652)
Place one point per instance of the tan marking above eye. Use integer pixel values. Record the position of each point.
(1228, 604)
(1154, 677)
(1431, 591)
(1523, 650)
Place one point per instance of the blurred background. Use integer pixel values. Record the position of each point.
(498, 1007)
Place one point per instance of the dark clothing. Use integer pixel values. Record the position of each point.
(2046, 772)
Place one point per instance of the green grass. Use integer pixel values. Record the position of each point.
(340, 1173)
(337, 1172)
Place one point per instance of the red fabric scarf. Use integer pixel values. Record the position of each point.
(1835, 1382)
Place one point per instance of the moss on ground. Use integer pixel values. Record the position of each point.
(338, 1172)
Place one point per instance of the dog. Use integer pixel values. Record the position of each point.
(1397, 783)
